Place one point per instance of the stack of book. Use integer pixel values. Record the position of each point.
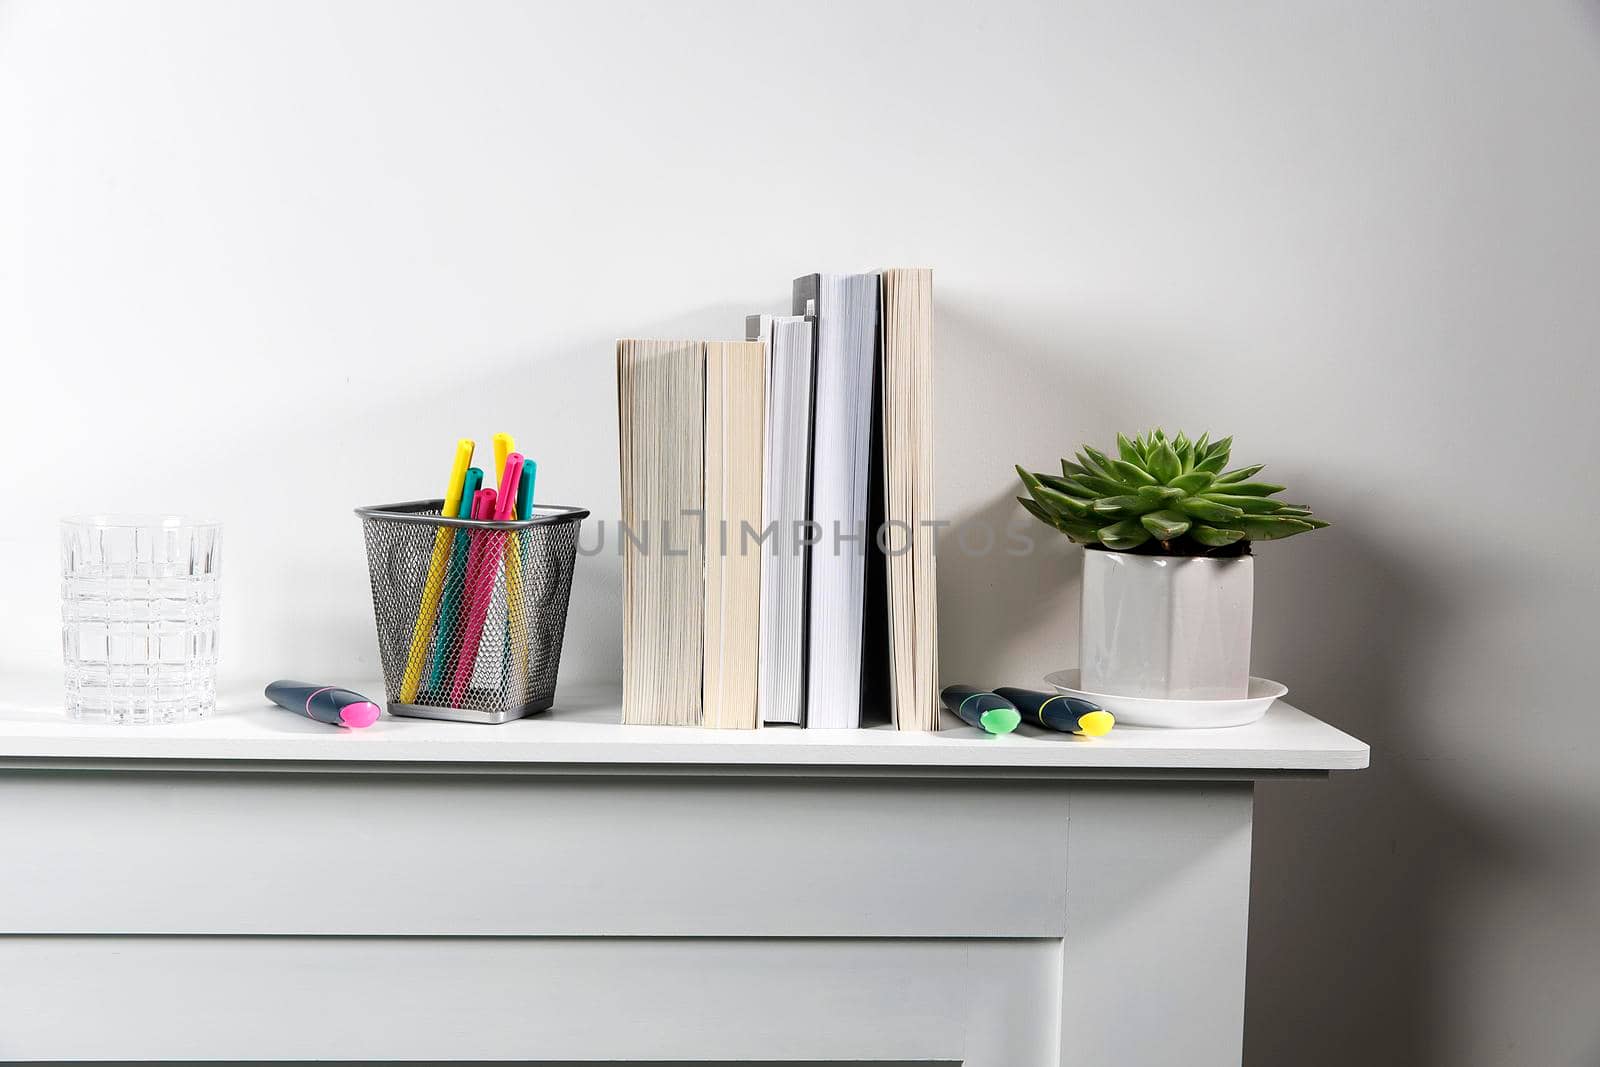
(777, 514)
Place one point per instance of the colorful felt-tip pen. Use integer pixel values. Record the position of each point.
(1057, 711)
(428, 611)
(988, 711)
(324, 703)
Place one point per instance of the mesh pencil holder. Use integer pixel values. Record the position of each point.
(470, 614)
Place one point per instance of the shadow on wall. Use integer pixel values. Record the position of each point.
(984, 608)
(1359, 884)
(1367, 888)
(1008, 613)
(1350, 877)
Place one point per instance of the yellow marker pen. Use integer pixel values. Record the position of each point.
(504, 445)
(428, 611)
(1057, 711)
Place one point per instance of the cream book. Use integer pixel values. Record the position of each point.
(735, 421)
(661, 422)
(691, 420)
(906, 386)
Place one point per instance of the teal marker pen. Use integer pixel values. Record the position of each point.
(523, 512)
(530, 470)
(455, 579)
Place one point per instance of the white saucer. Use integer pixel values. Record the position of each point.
(1177, 714)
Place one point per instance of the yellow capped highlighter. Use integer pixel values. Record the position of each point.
(428, 611)
(1057, 711)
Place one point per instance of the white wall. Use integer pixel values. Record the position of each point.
(267, 261)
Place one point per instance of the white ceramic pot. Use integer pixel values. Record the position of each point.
(1170, 627)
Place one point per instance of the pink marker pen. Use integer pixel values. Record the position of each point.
(324, 703)
(482, 561)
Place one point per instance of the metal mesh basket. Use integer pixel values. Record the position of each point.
(470, 614)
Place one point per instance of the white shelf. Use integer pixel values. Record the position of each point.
(584, 731)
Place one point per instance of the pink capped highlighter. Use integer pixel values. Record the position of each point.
(480, 587)
(324, 703)
(483, 564)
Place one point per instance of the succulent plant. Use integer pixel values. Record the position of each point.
(1161, 495)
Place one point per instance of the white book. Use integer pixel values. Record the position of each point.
(784, 511)
(844, 310)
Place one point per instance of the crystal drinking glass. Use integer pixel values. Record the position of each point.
(139, 612)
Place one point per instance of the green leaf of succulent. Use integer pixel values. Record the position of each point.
(1101, 460)
(1250, 505)
(1079, 533)
(1099, 486)
(1185, 450)
(1241, 473)
(1093, 473)
(1063, 485)
(1082, 532)
(1124, 506)
(1159, 495)
(1132, 474)
(1264, 528)
(1215, 536)
(1164, 463)
(1250, 488)
(1165, 525)
(1036, 511)
(1200, 507)
(1061, 503)
(1077, 487)
(1121, 536)
(1193, 482)
(1168, 487)
(1052, 502)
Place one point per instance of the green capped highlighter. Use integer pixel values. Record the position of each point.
(988, 711)
(1057, 711)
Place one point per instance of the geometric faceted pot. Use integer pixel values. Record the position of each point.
(1170, 627)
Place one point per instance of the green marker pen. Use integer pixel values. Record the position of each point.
(976, 707)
